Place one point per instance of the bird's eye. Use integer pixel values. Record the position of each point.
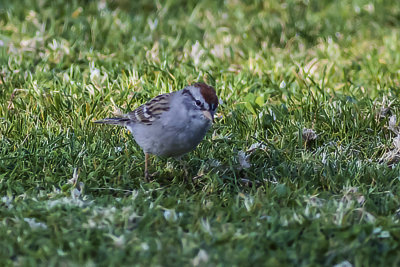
(198, 102)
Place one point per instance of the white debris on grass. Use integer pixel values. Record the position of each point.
(244, 156)
(205, 226)
(393, 124)
(196, 53)
(170, 215)
(144, 246)
(119, 241)
(282, 85)
(256, 146)
(75, 193)
(249, 203)
(351, 201)
(309, 135)
(243, 160)
(7, 201)
(392, 156)
(220, 51)
(152, 23)
(201, 258)
(100, 218)
(380, 233)
(351, 194)
(67, 201)
(106, 217)
(214, 163)
(343, 264)
(33, 224)
(314, 201)
(74, 178)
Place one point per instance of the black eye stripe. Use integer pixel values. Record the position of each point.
(189, 93)
(198, 102)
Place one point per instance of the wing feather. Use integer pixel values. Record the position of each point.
(145, 114)
(151, 111)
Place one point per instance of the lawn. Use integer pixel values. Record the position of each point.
(301, 166)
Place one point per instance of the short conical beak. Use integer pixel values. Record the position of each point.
(208, 115)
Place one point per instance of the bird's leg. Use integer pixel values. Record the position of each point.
(146, 170)
(187, 179)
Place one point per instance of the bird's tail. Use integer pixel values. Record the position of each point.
(114, 121)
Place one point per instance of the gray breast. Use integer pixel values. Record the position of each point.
(170, 140)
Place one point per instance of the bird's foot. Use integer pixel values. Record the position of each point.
(148, 177)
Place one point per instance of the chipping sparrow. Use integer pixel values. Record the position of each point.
(171, 124)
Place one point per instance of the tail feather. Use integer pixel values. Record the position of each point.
(114, 121)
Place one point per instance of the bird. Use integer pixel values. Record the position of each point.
(171, 124)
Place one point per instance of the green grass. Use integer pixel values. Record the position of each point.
(72, 193)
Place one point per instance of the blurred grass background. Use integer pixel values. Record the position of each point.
(72, 193)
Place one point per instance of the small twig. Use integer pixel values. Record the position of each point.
(197, 177)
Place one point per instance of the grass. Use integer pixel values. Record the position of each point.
(73, 193)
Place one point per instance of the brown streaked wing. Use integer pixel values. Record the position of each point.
(151, 111)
